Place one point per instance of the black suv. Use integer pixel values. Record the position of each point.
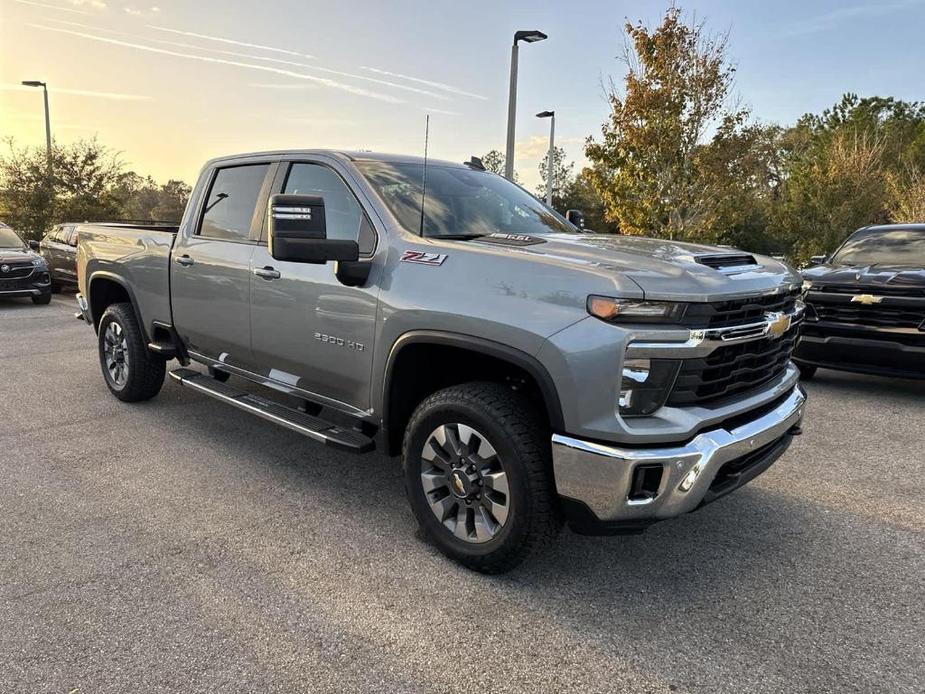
(23, 272)
(866, 305)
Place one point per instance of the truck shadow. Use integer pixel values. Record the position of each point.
(843, 383)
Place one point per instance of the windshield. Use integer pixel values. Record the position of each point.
(9, 239)
(460, 201)
(883, 247)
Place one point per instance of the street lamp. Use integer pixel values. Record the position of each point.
(550, 169)
(36, 83)
(530, 37)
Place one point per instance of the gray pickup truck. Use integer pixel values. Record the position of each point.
(526, 372)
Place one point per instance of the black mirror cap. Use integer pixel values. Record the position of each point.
(817, 260)
(304, 250)
(33, 244)
(576, 217)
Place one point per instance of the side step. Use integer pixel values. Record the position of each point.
(165, 349)
(305, 424)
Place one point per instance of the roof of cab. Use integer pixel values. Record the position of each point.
(348, 155)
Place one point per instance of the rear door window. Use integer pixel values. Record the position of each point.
(232, 202)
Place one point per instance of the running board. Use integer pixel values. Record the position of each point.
(300, 422)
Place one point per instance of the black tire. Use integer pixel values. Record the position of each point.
(508, 421)
(42, 299)
(807, 371)
(144, 370)
(219, 375)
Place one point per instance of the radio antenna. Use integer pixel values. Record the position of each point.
(424, 172)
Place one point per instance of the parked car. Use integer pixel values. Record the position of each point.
(59, 248)
(525, 371)
(23, 272)
(866, 305)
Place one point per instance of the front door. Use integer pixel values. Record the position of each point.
(309, 330)
(211, 262)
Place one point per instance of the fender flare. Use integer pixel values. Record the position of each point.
(118, 279)
(531, 365)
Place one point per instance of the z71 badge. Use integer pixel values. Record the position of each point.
(423, 258)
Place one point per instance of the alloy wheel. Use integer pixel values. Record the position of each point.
(115, 355)
(465, 483)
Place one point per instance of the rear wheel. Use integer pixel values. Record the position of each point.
(479, 477)
(131, 371)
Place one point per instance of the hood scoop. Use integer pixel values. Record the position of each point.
(729, 263)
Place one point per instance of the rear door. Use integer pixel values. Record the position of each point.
(309, 330)
(211, 260)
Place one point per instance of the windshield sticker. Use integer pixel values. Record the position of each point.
(423, 258)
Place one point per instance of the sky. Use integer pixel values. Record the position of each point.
(170, 83)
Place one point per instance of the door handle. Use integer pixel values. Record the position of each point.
(268, 273)
(185, 260)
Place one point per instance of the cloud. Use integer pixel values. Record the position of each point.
(535, 148)
(233, 63)
(822, 22)
(143, 12)
(437, 85)
(115, 96)
(95, 4)
(231, 41)
(50, 7)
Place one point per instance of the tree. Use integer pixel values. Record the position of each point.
(563, 177)
(494, 162)
(649, 165)
(89, 183)
(907, 196)
(582, 195)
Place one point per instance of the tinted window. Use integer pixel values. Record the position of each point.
(344, 217)
(883, 247)
(231, 202)
(460, 201)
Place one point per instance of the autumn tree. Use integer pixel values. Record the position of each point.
(649, 164)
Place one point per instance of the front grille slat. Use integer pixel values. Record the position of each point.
(17, 271)
(734, 369)
(878, 315)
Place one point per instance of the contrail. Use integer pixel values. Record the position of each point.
(234, 63)
(83, 92)
(232, 41)
(51, 7)
(279, 61)
(436, 85)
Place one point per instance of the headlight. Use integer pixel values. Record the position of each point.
(645, 385)
(39, 262)
(634, 310)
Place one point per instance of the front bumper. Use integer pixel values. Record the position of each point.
(38, 282)
(596, 481)
(896, 352)
(84, 312)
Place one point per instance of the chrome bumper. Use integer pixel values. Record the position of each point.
(600, 476)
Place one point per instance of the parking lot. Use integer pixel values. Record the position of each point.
(179, 545)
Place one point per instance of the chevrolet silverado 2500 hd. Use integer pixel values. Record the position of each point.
(525, 371)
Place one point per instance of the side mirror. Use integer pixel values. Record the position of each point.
(33, 244)
(298, 233)
(816, 260)
(576, 217)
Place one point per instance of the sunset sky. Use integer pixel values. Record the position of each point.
(171, 83)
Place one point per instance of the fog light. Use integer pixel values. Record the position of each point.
(689, 479)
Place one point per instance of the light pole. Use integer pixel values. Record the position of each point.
(530, 37)
(36, 83)
(550, 169)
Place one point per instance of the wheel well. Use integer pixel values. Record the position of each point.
(421, 369)
(103, 293)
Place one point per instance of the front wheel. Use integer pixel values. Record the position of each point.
(42, 299)
(131, 371)
(478, 475)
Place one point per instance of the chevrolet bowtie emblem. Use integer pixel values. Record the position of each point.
(778, 324)
(866, 299)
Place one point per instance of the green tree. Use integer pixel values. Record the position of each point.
(649, 164)
(582, 195)
(494, 162)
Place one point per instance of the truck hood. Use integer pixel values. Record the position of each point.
(867, 276)
(668, 270)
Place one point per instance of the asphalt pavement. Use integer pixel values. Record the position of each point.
(179, 545)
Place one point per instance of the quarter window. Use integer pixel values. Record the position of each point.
(345, 219)
(232, 201)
